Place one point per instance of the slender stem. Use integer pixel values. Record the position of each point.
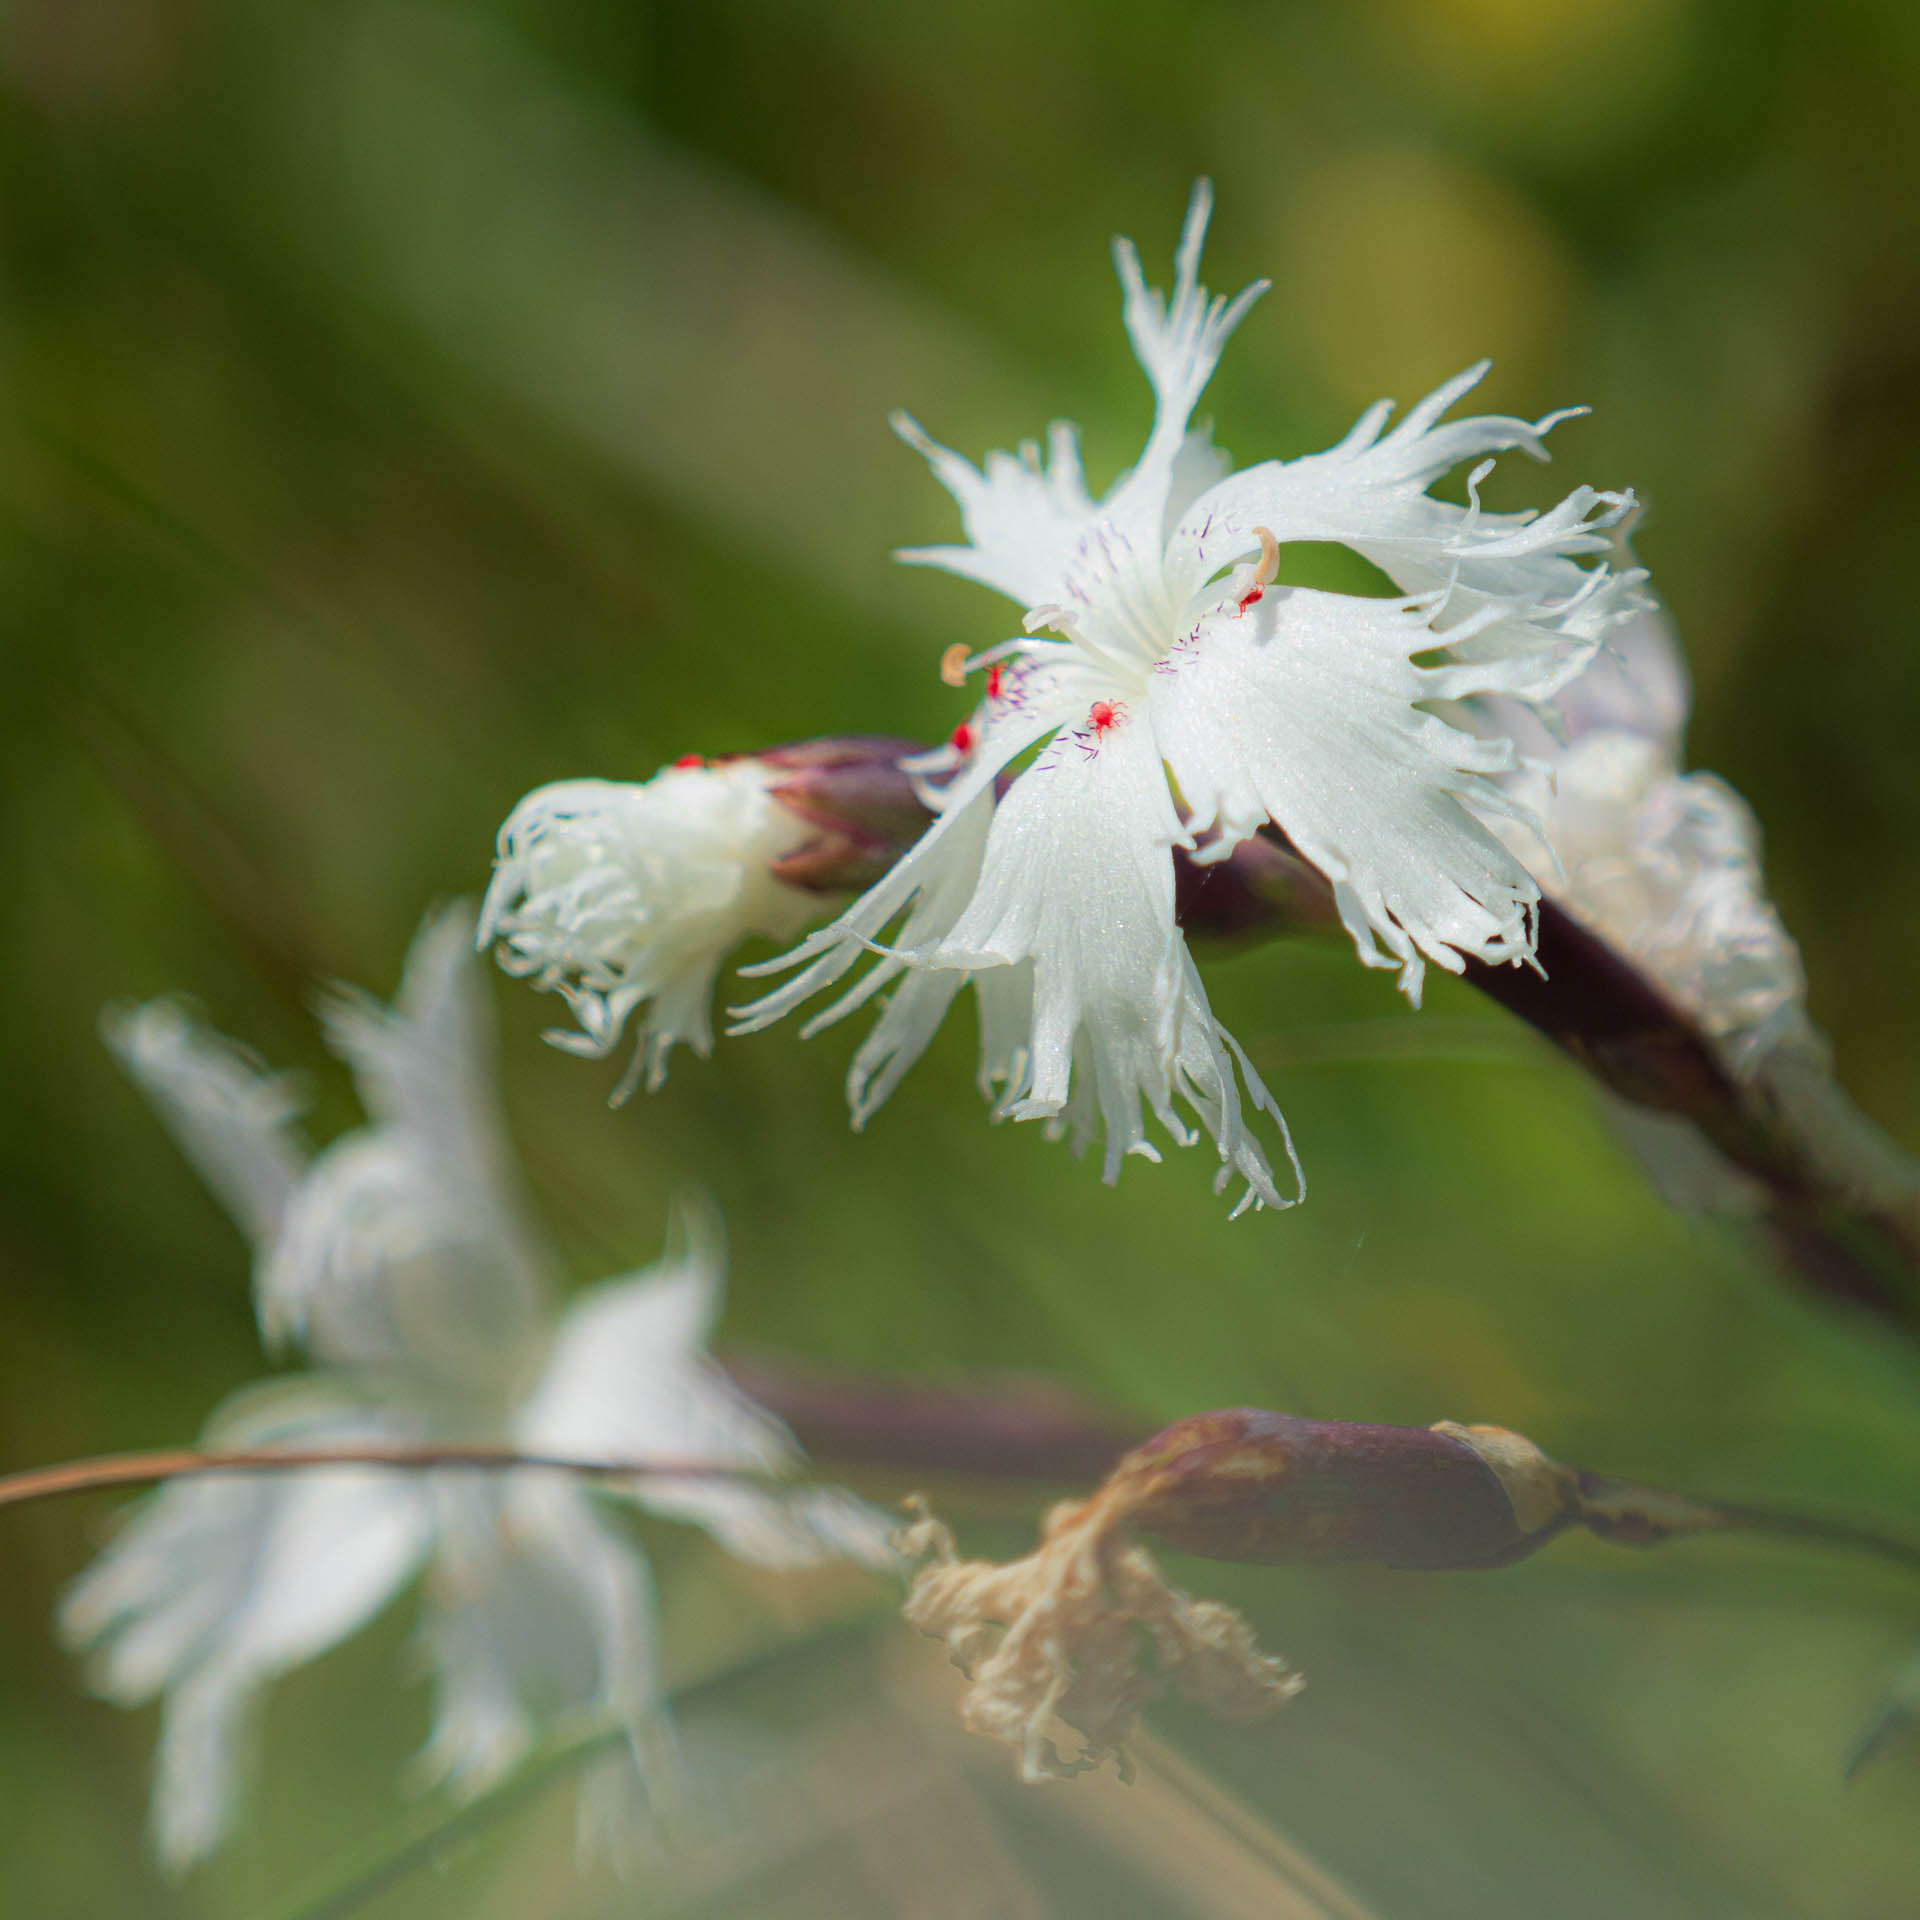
(1833, 1533)
(1012, 1429)
(1631, 1515)
(175, 1463)
(1621, 1511)
(439, 1840)
(1607, 1015)
(1023, 1430)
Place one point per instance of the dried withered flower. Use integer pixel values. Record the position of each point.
(1082, 1633)
(1086, 1630)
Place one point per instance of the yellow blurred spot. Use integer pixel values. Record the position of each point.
(1563, 76)
(1407, 267)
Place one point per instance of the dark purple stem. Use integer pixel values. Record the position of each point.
(1031, 1429)
(1623, 1030)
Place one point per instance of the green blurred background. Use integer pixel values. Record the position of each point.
(403, 405)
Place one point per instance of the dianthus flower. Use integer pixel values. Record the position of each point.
(403, 1262)
(1186, 699)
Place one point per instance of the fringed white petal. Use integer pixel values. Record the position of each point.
(1515, 577)
(213, 1587)
(1032, 530)
(1637, 683)
(1005, 997)
(1178, 340)
(1522, 597)
(1301, 710)
(941, 859)
(1368, 486)
(616, 895)
(234, 1120)
(1078, 881)
(1023, 515)
(918, 997)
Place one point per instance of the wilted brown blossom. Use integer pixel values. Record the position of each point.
(1086, 1630)
(1082, 1633)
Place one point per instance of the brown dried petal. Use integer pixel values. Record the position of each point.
(1082, 1633)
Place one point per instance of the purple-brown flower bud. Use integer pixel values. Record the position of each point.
(1245, 1484)
(850, 787)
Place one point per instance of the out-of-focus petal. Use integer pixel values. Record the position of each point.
(538, 1611)
(234, 1120)
(406, 1250)
(630, 1379)
(378, 1268)
(425, 1068)
(628, 1376)
(216, 1585)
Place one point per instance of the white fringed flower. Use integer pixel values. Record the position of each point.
(1187, 700)
(403, 1262)
(618, 895)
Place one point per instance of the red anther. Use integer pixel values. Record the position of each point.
(996, 677)
(1102, 715)
(1248, 598)
(687, 760)
(962, 738)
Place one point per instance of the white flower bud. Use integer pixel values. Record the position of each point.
(1665, 866)
(621, 895)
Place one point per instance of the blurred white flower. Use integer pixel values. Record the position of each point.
(1188, 699)
(1665, 866)
(618, 895)
(402, 1260)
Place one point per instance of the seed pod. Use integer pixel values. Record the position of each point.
(1245, 1484)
